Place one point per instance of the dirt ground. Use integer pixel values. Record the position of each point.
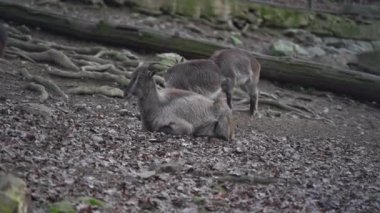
(94, 146)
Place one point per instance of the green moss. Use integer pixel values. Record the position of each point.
(344, 27)
(265, 16)
(62, 207)
(282, 18)
(103, 27)
(189, 8)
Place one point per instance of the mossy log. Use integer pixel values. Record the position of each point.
(357, 84)
(264, 15)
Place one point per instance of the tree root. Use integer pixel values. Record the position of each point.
(122, 80)
(81, 50)
(44, 82)
(106, 67)
(26, 46)
(20, 37)
(119, 56)
(91, 58)
(39, 88)
(105, 90)
(13, 51)
(55, 57)
(299, 110)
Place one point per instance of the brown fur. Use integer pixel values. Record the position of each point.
(176, 111)
(239, 68)
(200, 76)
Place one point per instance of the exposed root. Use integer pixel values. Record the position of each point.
(17, 52)
(278, 105)
(243, 95)
(124, 58)
(120, 56)
(21, 37)
(26, 46)
(105, 90)
(23, 29)
(39, 88)
(82, 63)
(3, 61)
(303, 108)
(44, 82)
(91, 58)
(106, 67)
(56, 57)
(268, 95)
(81, 50)
(52, 56)
(299, 110)
(122, 80)
(129, 63)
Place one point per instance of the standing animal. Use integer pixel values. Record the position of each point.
(239, 68)
(200, 76)
(3, 38)
(176, 111)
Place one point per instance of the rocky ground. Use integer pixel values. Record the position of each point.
(279, 162)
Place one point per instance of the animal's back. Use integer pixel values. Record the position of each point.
(200, 76)
(238, 61)
(192, 107)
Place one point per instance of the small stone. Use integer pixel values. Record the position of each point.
(239, 150)
(98, 107)
(287, 48)
(125, 112)
(97, 138)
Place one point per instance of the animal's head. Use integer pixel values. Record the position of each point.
(225, 125)
(141, 80)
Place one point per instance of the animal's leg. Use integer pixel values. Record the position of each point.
(227, 87)
(205, 130)
(251, 88)
(179, 127)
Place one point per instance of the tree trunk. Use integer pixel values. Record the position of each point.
(357, 84)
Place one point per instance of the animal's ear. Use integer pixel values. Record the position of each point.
(152, 72)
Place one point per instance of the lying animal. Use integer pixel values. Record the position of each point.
(176, 111)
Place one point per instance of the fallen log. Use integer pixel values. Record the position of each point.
(360, 85)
